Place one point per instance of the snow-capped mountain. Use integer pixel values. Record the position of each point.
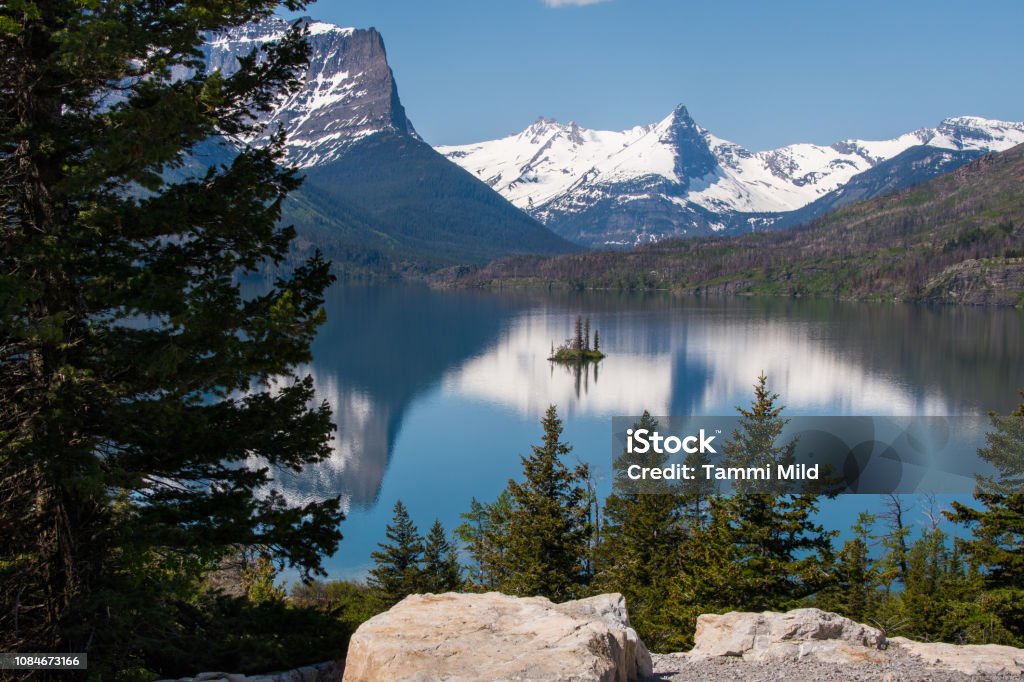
(348, 90)
(675, 178)
(375, 194)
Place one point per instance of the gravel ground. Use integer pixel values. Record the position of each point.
(897, 668)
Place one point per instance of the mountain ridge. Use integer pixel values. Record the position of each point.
(675, 178)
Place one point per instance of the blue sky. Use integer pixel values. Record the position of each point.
(762, 74)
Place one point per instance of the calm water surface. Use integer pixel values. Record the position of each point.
(437, 394)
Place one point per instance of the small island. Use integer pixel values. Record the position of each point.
(578, 350)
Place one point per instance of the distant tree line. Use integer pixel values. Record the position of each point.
(902, 246)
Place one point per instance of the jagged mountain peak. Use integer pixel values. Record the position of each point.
(674, 177)
(681, 116)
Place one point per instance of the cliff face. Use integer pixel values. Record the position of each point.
(375, 195)
(348, 92)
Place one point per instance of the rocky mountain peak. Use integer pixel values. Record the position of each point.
(693, 155)
(348, 92)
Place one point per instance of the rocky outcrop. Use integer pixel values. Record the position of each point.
(970, 659)
(990, 281)
(786, 636)
(496, 637)
(809, 644)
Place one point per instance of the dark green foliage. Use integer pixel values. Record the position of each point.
(855, 592)
(997, 546)
(756, 551)
(214, 632)
(134, 376)
(441, 571)
(928, 243)
(675, 557)
(640, 537)
(485, 534)
(548, 532)
(346, 602)
(396, 573)
(784, 554)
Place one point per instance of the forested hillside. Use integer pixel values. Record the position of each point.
(958, 238)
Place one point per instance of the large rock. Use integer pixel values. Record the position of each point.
(785, 636)
(496, 637)
(970, 659)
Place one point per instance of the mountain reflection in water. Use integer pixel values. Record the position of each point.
(422, 382)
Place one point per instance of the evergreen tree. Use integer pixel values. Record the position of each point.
(640, 537)
(757, 551)
(132, 368)
(696, 493)
(997, 545)
(895, 542)
(929, 569)
(485, 532)
(855, 592)
(785, 555)
(441, 572)
(756, 442)
(597, 340)
(586, 334)
(577, 337)
(547, 530)
(396, 573)
(471, 533)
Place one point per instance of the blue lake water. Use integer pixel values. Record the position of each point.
(437, 394)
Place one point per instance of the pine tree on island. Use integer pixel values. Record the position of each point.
(578, 350)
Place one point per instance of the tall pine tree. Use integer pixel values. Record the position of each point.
(396, 573)
(757, 551)
(548, 532)
(855, 592)
(134, 374)
(441, 571)
(997, 545)
(485, 533)
(640, 537)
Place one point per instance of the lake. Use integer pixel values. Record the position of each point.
(437, 394)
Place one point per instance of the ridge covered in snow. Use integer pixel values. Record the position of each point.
(560, 171)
